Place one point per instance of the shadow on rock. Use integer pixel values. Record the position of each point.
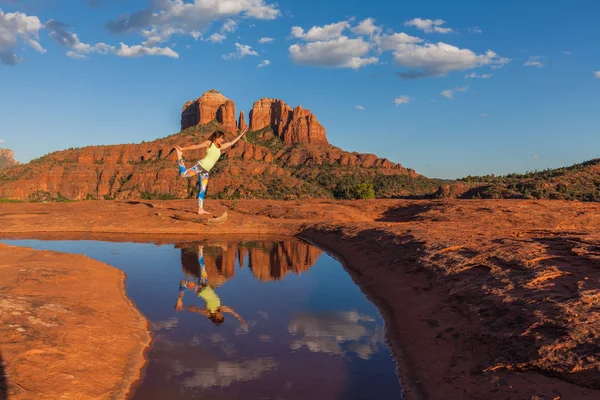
(3, 382)
(408, 213)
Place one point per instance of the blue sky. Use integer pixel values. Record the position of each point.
(447, 88)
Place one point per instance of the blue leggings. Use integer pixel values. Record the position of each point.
(202, 179)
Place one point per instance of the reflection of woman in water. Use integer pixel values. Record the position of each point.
(214, 310)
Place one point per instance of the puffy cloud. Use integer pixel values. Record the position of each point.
(217, 37)
(139, 51)
(434, 60)
(567, 52)
(70, 40)
(265, 40)
(165, 325)
(229, 26)
(475, 30)
(224, 373)
(367, 27)
(449, 93)
(597, 74)
(15, 28)
(325, 333)
(178, 17)
(359, 107)
(473, 75)
(341, 52)
(395, 41)
(428, 25)
(321, 33)
(241, 51)
(534, 61)
(264, 63)
(402, 100)
(1, 140)
(484, 115)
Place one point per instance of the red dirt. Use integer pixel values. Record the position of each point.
(67, 329)
(484, 299)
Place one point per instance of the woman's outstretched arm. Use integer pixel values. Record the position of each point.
(234, 141)
(196, 146)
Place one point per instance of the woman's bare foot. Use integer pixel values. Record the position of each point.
(202, 211)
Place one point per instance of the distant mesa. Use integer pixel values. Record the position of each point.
(286, 155)
(7, 158)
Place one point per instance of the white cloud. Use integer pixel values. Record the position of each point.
(484, 115)
(224, 373)
(341, 52)
(359, 107)
(1, 140)
(429, 26)
(241, 51)
(435, 60)
(320, 33)
(402, 100)
(229, 26)
(176, 17)
(449, 93)
(70, 40)
(217, 37)
(367, 27)
(473, 75)
(567, 52)
(536, 157)
(325, 333)
(76, 56)
(264, 63)
(475, 30)
(597, 74)
(395, 41)
(139, 51)
(265, 40)
(16, 28)
(534, 61)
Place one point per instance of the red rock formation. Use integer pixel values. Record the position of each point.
(208, 107)
(242, 122)
(291, 126)
(7, 158)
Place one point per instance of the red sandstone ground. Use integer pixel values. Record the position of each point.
(484, 299)
(67, 329)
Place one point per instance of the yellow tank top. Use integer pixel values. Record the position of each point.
(212, 155)
(213, 302)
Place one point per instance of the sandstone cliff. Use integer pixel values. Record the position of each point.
(7, 158)
(291, 125)
(212, 105)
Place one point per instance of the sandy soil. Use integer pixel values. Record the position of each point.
(67, 329)
(483, 299)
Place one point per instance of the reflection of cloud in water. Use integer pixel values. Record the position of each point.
(327, 332)
(165, 325)
(224, 373)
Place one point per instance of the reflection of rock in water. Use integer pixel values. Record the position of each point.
(267, 260)
(277, 259)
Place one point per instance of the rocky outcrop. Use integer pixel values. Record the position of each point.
(291, 125)
(288, 159)
(7, 158)
(242, 122)
(212, 105)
